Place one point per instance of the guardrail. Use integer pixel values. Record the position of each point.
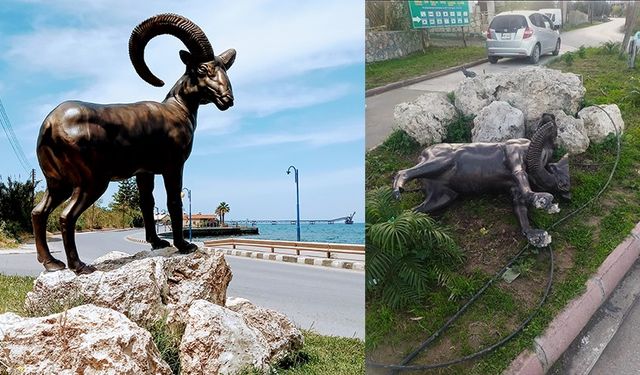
(272, 246)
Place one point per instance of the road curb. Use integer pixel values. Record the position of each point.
(411, 81)
(310, 261)
(568, 324)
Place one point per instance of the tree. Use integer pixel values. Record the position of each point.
(16, 203)
(223, 208)
(629, 25)
(127, 199)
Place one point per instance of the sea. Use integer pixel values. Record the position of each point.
(334, 233)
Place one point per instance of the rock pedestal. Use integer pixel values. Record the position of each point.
(104, 335)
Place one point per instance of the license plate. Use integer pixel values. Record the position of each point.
(506, 36)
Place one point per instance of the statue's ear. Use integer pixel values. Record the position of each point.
(228, 57)
(186, 57)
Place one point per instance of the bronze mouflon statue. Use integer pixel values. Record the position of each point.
(520, 166)
(82, 146)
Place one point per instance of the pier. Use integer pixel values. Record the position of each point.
(253, 222)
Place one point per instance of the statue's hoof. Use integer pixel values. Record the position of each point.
(54, 265)
(187, 248)
(542, 200)
(539, 238)
(160, 244)
(83, 269)
(396, 193)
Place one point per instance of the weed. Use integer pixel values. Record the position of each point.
(568, 58)
(452, 97)
(459, 130)
(582, 52)
(167, 339)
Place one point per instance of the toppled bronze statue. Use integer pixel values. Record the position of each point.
(82, 146)
(520, 166)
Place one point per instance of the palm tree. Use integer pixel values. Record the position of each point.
(408, 253)
(223, 208)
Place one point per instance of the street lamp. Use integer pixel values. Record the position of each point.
(297, 200)
(189, 196)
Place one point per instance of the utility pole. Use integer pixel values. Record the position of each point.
(33, 186)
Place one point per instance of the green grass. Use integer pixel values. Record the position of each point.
(580, 245)
(436, 58)
(13, 290)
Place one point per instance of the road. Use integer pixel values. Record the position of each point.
(330, 301)
(379, 108)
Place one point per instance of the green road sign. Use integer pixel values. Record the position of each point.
(438, 13)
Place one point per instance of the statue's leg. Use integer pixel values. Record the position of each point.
(173, 185)
(81, 199)
(428, 167)
(52, 198)
(145, 187)
(536, 237)
(437, 196)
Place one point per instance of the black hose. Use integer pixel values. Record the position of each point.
(403, 366)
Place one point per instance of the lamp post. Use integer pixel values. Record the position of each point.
(297, 200)
(189, 196)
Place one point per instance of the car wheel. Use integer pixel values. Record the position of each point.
(557, 50)
(535, 54)
(493, 59)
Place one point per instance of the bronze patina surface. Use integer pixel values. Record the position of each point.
(82, 146)
(520, 166)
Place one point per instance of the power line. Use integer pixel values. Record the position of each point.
(13, 140)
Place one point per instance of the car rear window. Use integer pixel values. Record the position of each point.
(508, 23)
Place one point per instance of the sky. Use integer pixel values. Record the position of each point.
(298, 83)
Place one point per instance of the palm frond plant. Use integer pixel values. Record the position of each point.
(408, 253)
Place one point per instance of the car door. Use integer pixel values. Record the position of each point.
(552, 37)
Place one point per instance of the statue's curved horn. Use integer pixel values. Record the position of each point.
(188, 32)
(536, 159)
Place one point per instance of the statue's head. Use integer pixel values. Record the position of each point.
(548, 177)
(207, 73)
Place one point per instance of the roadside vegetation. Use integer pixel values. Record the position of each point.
(433, 60)
(486, 231)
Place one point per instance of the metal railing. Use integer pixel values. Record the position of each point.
(289, 246)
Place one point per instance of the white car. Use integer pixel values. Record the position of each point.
(522, 34)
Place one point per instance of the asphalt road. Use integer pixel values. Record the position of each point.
(330, 301)
(379, 108)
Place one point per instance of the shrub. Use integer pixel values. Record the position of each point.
(568, 58)
(407, 252)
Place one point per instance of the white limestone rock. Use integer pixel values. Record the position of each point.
(498, 122)
(598, 125)
(218, 340)
(572, 134)
(533, 90)
(84, 340)
(425, 118)
(146, 287)
(280, 333)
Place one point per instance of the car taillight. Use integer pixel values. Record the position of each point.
(527, 33)
(488, 33)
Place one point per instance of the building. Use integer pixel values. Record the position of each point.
(200, 220)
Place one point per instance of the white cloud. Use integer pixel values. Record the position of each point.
(276, 41)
